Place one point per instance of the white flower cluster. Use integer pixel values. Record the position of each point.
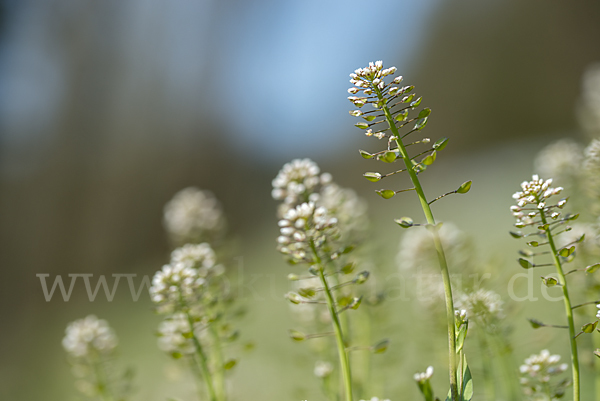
(193, 215)
(197, 256)
(303, 227)
(297, 181)
(173, 335)
(89, 336)
(181, 282)
(537, 372)
(484, 306)
(424, 376)
(345, 205)
(535, 193)
(323, 369)
(561, 160)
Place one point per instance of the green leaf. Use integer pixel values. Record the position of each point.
(549, 281)
(187, 334)
(388, 157)
(407, 89)
(347, 269)
(297, 335)
(369, 117)
(440, 144)
(421, 123)
(597, 352)
(365, 154)
(408, 98)
(565, 252)
(373, 177)
(405, 222)
(516, 234)
(572, 216)
(229, 364)
(526, 252)
(533, 244)
(401, 116)
(362, 125)
(466, 393)
(381, 346)
(176, 355)
(416, 102)
(428, 161)
(424, 113)
(386, 193)
(589, 327)
(307, 292)
(362, 277)
(464, 187)
(592, 268)
(355, 304)
(525, 264)
(536, 324)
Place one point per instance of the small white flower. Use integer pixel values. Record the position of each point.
(423, 377)
(323, 369)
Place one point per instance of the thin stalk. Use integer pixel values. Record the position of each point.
(202, 361)
(568, 310)
(438, 248)
(337, 328)
(596, 340)
(218, 355)
(101, 381)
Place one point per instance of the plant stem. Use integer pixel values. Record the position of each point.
(337, 328)
(202, 361)
(568, 310)
(488, 377)
(101, 381)
(438, 248)
(218, 355)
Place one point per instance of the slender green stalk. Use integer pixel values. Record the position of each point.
(337, 328)
(202, 361)
(218, 355)
(596, 340)
(438, 248)
(101, 381)
(568, 310)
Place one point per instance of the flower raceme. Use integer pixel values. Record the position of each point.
(89, 336)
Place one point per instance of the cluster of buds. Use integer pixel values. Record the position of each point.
(532, 200)
(304, 230)
(537, 373)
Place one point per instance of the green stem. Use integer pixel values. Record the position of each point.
(101, 380)
(568, 310)
(438, 248)
(596, 340)
(202, 361)
(337, 328)
(218, 355)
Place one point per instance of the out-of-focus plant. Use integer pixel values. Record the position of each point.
(390, 113)
(320, 225)
(90, 344)
(539, 375)
(192, 292)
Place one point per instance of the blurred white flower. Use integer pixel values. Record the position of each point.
(482, 306)
(193, 216)
(537, 373)
(87, 336)
(323, 369)
(561, 160)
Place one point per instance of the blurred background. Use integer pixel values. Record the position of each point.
(107, 108)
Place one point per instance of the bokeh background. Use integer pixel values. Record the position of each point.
(107, 108)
